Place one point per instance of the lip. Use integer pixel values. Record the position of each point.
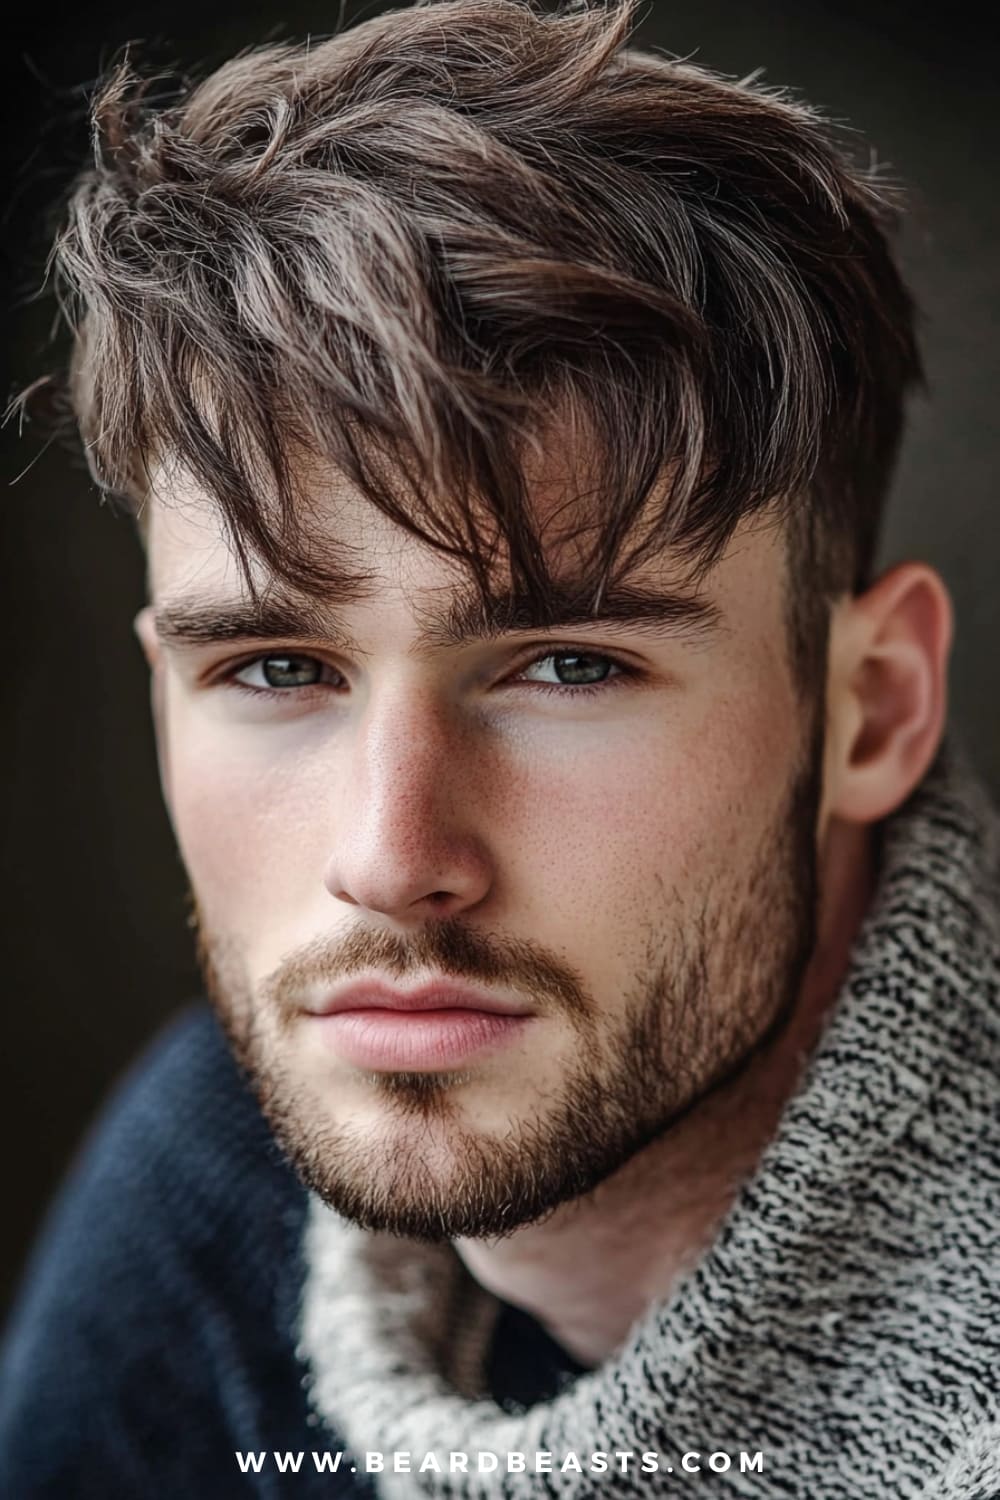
(439, 1025)
(435, 994)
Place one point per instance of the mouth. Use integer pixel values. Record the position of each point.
(440, 1025)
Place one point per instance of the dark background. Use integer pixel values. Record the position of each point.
(96, 952)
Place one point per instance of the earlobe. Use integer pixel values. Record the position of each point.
(888, 698)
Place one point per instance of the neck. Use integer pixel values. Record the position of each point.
(595, 1265)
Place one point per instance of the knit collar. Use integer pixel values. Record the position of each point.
(395, 1334)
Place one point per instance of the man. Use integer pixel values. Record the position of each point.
(600, 1084)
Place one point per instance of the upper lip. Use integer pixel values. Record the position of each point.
(434, 994)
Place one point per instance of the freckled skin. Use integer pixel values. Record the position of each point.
(653, 843)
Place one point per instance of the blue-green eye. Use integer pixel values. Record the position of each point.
(572, 669)
(281, 670)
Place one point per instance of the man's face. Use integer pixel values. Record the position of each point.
(606, 831)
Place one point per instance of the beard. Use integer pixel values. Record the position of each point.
(716, 982)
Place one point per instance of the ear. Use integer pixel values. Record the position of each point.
(145, 629)
(887, 691)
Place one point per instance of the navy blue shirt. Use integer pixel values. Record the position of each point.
(154, 1336)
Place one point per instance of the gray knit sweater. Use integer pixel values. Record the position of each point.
(845, 1323)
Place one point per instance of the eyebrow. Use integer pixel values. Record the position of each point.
(466, 619)
(203, 622)
(652, 611)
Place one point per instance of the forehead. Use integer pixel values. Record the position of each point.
(181, 521)
(190, 554)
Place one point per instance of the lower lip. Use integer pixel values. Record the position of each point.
(426, 1039)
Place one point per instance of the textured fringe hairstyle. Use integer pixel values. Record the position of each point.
(414, 249)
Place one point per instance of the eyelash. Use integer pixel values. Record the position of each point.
(624, 673)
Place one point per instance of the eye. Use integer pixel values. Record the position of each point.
(281, 670)
(573, 669)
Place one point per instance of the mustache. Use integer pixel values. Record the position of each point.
(448, 947)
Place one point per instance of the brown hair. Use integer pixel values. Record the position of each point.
(410, 248)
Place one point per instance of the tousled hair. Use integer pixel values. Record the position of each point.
(418, 248)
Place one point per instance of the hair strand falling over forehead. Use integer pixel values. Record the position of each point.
(415, 248)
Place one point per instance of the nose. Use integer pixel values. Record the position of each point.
(406, 847)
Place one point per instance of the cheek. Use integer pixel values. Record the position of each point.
(250, 831)
(622, 849)
(679, 797)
